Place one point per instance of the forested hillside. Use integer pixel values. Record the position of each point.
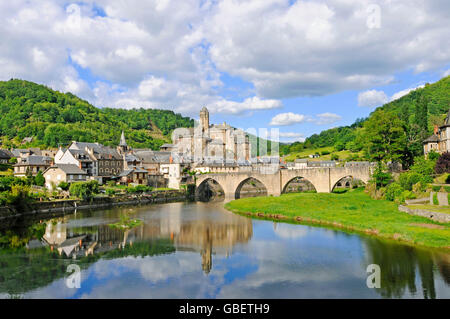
(418, 112)
(53, 118)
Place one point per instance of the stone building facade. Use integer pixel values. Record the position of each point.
(440, 140)
(211, 141)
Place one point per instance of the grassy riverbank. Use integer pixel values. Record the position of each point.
(354, 211)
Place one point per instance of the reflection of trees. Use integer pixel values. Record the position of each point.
(22, 270)
(398, 268)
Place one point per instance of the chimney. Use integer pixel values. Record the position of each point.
(436, 130)
(171, 159)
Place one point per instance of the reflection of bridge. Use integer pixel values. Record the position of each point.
(323, 179)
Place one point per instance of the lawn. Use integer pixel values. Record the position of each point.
(305, 153)
(353, 211)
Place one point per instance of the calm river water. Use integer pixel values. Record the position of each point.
(200, 250)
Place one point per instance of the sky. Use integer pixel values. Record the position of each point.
(297, 66)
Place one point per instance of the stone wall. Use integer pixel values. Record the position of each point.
(439, 217)
(47, 208)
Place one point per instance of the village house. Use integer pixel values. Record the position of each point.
(95, 159)
(5, 156)
(134, 175)
(58, 173)
(25, 152)
(440, 140)
(32, 165)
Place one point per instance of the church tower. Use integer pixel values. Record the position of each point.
(204, 120)
(123, 146)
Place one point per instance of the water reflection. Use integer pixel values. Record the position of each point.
(202, 251)
(400, 266)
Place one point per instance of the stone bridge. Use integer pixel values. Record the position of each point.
(323, 179)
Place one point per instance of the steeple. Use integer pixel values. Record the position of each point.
(123, 146)
(123, 142)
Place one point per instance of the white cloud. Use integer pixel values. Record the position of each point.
(171, 54)
(291, 137)
(402, 93)
(285, 119)
(321, 47)
(446, 73)
(372, 98)
(327, 118)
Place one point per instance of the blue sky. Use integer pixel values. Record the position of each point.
(300, 66)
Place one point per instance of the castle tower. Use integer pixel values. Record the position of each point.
(204, 120)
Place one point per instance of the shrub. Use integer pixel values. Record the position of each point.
(447, 180)
(435, 188)
(443, 164)
(84, 190)
(435, 199)
(324, 153)
(334, 157)
(19, 194)
(419, 187)
(111, 183)
(339, 146)
(407, 180)
(432, 155)
(393, 191)
(110, 192)
(404, 196)
(139, 189)
(64, 186)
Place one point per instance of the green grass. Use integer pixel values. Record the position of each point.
(353, 211)
(305, 153)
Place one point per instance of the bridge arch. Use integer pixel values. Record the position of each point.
(348, 181)
(308, 185)
(256, 189)
(209, 189)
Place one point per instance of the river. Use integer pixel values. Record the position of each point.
(200, 250)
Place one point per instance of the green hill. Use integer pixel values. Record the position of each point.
(53, 118)
(419, 111)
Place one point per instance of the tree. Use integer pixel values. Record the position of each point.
(380, 176)
(39, 179)
(384, 137)
(443, 164)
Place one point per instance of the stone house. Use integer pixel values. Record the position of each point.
(5, 156)
(96, 159)
(134, 175)
(68, 173)
(32, 164)
(440, 140)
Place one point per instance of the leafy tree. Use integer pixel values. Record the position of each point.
(39, 179)
(84, 190)
(380, 176)
(384, 137)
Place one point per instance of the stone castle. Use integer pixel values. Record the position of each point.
(212, 142)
